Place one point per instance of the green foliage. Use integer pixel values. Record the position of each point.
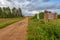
(59, 16)
(6, 12)
(7, 21)
(41, 15)
(43, 31)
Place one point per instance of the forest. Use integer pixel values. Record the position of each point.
(6, 12)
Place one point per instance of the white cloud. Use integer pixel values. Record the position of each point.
(31, 6)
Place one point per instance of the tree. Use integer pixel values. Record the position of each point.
(41, 15)
(0, 11)
(59, 16)
(3, 15)
(14, 11)
(6, 12)
(19, 12)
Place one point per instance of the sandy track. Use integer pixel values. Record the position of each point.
(16, 31)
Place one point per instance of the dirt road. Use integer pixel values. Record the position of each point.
(16, 31)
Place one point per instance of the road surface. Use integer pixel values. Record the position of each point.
(16, 31)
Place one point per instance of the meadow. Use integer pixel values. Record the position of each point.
(39, 30)
(7, 21)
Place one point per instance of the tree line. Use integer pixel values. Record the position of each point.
(41, 15)
(6, 12)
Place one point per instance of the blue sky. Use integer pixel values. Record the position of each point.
(54, 0)
(30, 7)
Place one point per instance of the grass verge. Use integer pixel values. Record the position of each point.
(43, 31)
(7, 21)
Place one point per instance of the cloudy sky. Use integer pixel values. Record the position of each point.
(30, 7)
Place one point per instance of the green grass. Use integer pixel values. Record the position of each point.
(7, 21)
(38, 30)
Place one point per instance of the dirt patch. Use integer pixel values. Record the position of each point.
(16, 31)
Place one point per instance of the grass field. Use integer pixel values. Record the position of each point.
(38, 30)
(7, 21)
